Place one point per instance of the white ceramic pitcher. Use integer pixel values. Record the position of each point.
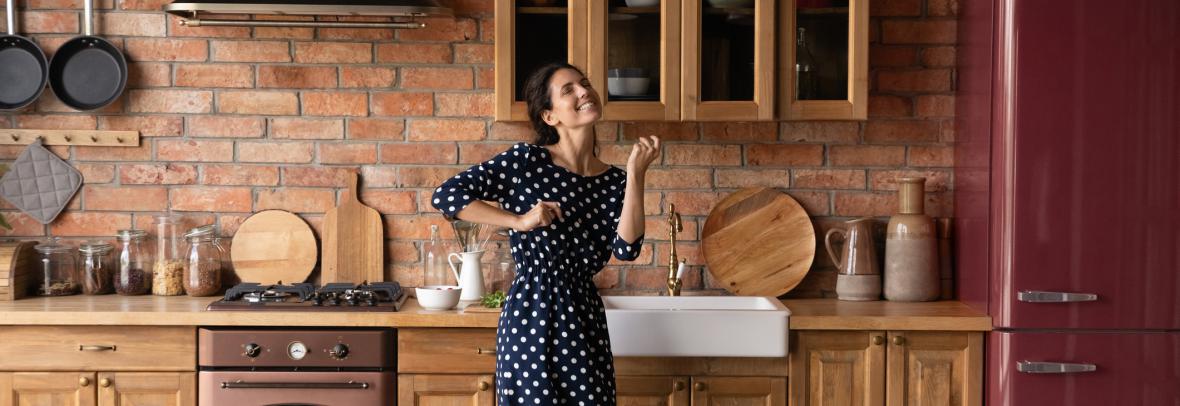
(471, 277)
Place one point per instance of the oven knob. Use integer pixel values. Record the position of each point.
(339, 351)
(252, 350)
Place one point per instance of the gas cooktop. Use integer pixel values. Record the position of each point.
(305, 297)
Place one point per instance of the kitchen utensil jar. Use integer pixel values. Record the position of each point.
(168, 271)
(59, 270)
(911, 251)
(202, 265)
(132, 277)
(97, 268)
(859, 275)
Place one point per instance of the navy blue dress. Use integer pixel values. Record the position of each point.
(552, 344)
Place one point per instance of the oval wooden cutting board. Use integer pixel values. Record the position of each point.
(273, 246)
(758, 242)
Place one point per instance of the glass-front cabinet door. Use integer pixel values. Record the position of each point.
(824, 58)
(728, 63)
(635, 58)
(530, 34)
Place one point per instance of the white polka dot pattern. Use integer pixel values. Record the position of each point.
(552, 342)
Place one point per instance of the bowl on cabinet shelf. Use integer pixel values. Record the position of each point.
(627, 82)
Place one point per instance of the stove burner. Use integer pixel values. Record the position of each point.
(380, 296)
(265, 296)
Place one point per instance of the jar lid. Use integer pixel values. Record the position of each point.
(130, 234)
(54, 246)
(200, 231)
(95, 247)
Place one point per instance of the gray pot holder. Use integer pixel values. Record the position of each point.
(39, 183)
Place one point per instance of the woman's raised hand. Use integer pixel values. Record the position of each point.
(645, 151)
(541, 215)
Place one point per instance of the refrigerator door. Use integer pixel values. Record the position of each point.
(1087, 176)
(1083, 369)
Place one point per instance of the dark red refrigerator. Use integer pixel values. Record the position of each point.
(1067, 197)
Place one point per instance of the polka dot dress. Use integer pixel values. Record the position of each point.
(552, 343)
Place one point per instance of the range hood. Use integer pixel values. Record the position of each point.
(191, 12)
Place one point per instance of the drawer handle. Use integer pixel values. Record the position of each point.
(699, 386)
(1036, 367)
(294, 385)
(898, 340)
(878, 340)
(104, 382)
(83, 381)
(678, 386)
(97, 348)
(483, 386)
(482, 351)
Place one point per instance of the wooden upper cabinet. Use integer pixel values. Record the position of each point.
(728, 71)
(838, 368)
(824, 60)
(47, 388)
(528, 37)
(635, 59)
(935, 368)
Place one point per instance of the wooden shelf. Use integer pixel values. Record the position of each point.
(542, 10)
(91, 138)
(823, 11)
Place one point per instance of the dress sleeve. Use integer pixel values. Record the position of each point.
(626, 251)
(490, 180)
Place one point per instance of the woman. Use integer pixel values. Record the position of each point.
(567, 212)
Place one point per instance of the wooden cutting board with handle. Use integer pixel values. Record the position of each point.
(354, 241)
(758, 242)
(273, 246)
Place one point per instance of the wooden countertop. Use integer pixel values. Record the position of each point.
(806, 314)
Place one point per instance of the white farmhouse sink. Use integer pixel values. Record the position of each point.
(697, 326)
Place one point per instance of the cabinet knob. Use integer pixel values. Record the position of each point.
(483, 386)
(678, 386)
(699, 386)
(104, 382)
(878, 340)
(898, 340)
(83, 381)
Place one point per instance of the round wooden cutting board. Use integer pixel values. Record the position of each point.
(758, 242)
(273, 246)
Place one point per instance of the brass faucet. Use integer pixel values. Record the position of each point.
(674, 226)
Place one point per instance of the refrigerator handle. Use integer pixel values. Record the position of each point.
(1034, 367)
(1036, 296)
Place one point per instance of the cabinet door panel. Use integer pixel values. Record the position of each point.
(934, 368)
(739, 391)
(823, 61)
(728, 62)
(838, 368)
(651, 391)
(635, 60)
(147, 389)
(446, 390)
(528, 37)
(46, 389)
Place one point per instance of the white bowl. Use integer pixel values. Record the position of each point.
(438, 297)
(643, 3)
(627, 86)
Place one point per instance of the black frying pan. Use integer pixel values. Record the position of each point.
(88, 72)
(23, 69)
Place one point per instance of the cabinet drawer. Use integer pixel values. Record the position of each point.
(97, 348)
(446, 350)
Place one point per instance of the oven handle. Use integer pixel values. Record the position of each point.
(294, 385)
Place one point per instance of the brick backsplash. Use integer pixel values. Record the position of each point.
(236, 120)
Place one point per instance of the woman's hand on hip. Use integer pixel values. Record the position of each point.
(643, 153)
(541, 215)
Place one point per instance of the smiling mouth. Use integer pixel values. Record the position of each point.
(586, 106)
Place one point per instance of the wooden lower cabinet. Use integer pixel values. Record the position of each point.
(871, 368)
(701, 391)
(101, 389)
(651, 390)
(446, 390)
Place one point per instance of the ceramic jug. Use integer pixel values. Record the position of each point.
(859, 276)
(471, 277)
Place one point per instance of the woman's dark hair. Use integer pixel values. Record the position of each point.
(536, 95)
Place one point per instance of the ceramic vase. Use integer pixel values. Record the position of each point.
(911, 247)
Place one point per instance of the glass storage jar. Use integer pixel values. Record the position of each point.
(97, 268)
(168, 271)
(58, 270)
(133, 277)
(202, 265)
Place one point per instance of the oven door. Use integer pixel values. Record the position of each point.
(284, 388)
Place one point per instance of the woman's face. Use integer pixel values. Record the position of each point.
(575, 103)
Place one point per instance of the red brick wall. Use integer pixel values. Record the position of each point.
(236, 120)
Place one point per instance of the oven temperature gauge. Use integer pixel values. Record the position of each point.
(296, 350)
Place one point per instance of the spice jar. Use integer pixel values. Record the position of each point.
(202, 266)
(168, 271)
(97, 268)
(132, 277)
(58, 270)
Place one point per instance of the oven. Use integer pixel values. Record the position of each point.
(296, 367)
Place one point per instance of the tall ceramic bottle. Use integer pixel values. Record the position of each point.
(911, 247)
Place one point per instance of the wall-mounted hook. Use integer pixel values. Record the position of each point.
(119, 139)
(67, 138)
(93, 139)
(15, 137)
